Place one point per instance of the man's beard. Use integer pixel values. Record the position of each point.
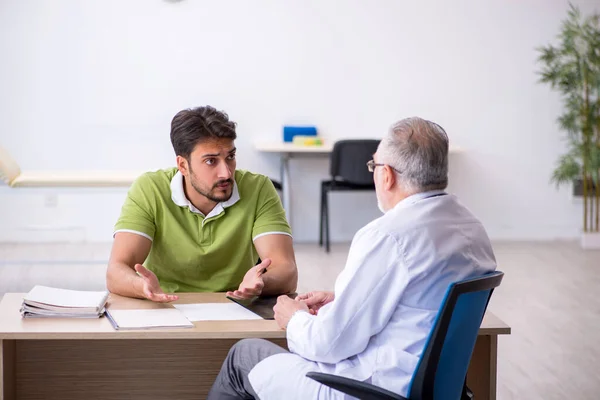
(209, 194)
(380, 204)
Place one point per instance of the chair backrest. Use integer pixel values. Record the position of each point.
(442, 368)
(277, 184)
(349, 159)
(9, 169)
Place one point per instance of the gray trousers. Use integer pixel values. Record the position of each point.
(232, 382)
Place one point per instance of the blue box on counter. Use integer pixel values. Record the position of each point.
(290, 131)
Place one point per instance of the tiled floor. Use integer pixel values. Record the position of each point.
(548, 297)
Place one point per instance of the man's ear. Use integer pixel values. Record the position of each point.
(389, 178)
(182, 165)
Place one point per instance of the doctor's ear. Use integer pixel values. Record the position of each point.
(389, 177)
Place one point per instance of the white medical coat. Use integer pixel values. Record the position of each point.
(386, 301)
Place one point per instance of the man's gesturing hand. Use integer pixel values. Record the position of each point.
(150, 286)
(253, 283)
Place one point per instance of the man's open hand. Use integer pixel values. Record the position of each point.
(151, 288)
(253, 283)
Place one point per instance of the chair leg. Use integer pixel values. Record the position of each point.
(321, 217)
(326, 203)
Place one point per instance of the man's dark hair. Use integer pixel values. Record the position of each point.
(196, 125)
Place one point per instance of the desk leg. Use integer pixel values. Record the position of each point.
(481, 376)
(8, 374)
(286, 183)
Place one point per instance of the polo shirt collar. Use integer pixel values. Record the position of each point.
(178, 196)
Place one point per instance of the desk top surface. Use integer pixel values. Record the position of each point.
(13, 326)
(75, 178)
(326, 148)
(288, 147)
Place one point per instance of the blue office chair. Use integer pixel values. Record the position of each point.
(441, 372)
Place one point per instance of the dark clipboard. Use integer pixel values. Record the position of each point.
(261, 306)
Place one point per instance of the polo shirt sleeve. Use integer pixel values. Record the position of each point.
(137, 213)
(270, 215)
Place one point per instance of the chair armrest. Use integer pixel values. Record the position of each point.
(361, 390)
(467, 394)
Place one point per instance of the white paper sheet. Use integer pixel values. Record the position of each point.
(142, 319)
(215, 312)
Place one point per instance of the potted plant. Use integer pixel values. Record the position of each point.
(572, 67)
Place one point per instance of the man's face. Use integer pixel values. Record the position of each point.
(211, 169)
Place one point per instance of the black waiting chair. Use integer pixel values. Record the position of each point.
(277, 185)
(442, 368)
(348, 173)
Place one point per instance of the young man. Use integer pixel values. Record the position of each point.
(374, 326)
(202, 226)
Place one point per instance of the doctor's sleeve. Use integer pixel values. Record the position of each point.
(367, 293)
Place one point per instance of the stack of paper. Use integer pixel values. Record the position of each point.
(47, 302)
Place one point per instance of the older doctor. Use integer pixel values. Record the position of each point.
(373, 327)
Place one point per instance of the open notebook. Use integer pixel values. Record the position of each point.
(47, 302)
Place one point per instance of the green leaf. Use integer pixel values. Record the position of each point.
(567, 170)
(571, 66)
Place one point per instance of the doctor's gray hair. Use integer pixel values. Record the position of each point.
(418, 150)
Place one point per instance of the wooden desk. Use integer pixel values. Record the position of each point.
(87, 359)
(11, 174)
(287, 151)
(78, 179)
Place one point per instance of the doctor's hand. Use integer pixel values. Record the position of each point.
(151, 288)
(316, 300)
(285, 308)
(253, 283)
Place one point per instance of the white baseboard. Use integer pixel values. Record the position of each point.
(590, 241)
(46, 234)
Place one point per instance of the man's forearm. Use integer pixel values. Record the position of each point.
(280, 279)
(121, 279)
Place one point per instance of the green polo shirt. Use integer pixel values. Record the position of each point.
(192, 252)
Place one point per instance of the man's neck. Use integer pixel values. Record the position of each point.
(400, 195)
(202, 203)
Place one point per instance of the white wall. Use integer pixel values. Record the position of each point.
(94, 85)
